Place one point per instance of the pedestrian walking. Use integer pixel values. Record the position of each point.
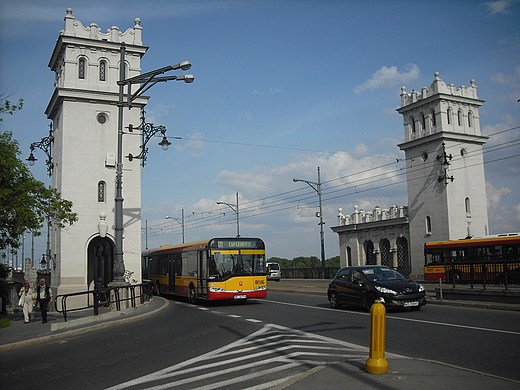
(44, 296)
(27, 301)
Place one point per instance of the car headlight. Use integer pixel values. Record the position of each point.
(421, 288)
(384, 290)
(216, 289)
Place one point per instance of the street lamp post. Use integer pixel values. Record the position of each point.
(181, 222)
(146, 81)
(234, 207)
(317, 187)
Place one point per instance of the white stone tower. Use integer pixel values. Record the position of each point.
(84, 112)
(444, 165)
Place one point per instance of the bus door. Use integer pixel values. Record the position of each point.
(171, 275)
(203, 274)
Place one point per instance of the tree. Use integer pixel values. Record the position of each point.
(26, 203)
(6, 107)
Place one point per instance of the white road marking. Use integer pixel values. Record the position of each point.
(274, 350)
(398, 318)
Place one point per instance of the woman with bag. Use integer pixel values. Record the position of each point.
(27, 301)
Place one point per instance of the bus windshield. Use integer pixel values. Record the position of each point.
(227, 265)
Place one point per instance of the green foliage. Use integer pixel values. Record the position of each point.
(304, 262)
(26, 202)
(5, 322)
(6, 107)
(332, 262)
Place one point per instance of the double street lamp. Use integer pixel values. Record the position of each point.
(317, 187)
(146, 81)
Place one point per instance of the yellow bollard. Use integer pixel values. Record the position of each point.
(376, 362)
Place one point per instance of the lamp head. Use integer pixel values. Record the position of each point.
(184, 65)
(31, 159)
(187, 78)
(165, 143)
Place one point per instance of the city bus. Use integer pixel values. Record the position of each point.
(214, 269)
(489, 259)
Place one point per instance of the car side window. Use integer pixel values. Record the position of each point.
(344, 275)
(356, 276)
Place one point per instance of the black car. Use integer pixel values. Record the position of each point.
(361, 286)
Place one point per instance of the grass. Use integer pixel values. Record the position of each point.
(4, 322)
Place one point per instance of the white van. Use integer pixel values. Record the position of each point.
(274, 272)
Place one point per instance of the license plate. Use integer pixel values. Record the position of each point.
(240, 297)
(410, 304)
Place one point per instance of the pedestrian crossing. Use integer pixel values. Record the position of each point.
(262, 360)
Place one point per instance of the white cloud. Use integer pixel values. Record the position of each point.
(512, 80)
(500, 6)
(494, 195)
(389, 77)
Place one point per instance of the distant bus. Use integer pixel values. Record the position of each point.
(486, 259)
(215, 269)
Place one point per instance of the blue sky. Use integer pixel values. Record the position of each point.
(281, 88)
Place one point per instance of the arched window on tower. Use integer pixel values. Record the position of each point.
(448, 115)
(103, 71)
(101, 191)
(459, 117)
(467, 205)
(433, 121)
(423, 122)
(470, 119)
(81, 68)
(412, 124)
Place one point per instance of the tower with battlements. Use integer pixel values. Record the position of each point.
(444, 164)
(84, 112)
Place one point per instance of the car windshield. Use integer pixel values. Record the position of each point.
(382, 274)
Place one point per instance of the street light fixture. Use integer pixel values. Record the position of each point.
(444, 159)
(181, 222)
(51, 264)
(147, 80)
(148, 130)
(45, 145)
(317, 187)
(234, 207)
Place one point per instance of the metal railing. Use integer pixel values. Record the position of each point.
(309, 273)
(483, 273)
(112, 296)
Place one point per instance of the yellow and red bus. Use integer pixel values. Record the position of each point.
(480, 259)
(214, 269)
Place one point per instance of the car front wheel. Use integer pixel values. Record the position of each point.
(333, 299)
(369, 301)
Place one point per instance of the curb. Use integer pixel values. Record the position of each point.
(75, 332)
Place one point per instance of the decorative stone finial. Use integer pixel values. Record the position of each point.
(69, 11)
(436, 74)
(137, 21)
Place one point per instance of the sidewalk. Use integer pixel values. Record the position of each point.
(20, 335)
(403, 373)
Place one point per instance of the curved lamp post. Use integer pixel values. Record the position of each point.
(234, 207)
(317, 187)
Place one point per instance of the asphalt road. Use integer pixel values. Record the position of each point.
(482, 340)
